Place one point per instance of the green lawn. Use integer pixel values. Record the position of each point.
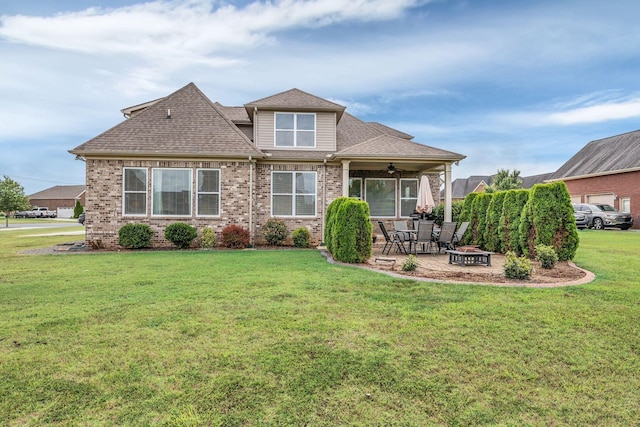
(284, 338)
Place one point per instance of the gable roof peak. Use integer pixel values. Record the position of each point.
(295, 100)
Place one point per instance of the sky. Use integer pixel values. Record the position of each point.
(511, 85)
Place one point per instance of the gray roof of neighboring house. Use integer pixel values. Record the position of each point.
(603, 156)
(196, 127)
(462, 186)
(530, 181)
(59, 192)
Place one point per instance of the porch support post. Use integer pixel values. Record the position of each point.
(447, 192)
(345, 178)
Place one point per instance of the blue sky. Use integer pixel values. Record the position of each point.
(517, 85)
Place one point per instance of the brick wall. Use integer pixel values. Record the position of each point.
(104, 199)
(622, 185)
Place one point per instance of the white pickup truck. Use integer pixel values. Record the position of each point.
(41, 213)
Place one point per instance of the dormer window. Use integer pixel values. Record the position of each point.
(295, 130)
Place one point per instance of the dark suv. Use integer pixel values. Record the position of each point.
(600, 216)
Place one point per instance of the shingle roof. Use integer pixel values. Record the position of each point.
(59, 192)
(295, 100)
(389, 130)
(386, 146)
(462, 186)
(196, 127)
(603, 156)
(530, 181)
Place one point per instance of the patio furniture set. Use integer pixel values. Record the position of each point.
(427, 238)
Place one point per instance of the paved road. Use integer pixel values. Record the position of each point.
(31, 225)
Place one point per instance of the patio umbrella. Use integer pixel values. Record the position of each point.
(425, 201)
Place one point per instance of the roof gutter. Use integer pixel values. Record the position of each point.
(593, 175)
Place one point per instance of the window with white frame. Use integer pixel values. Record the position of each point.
(295, 130)
(208, 192)
(171, 192)
(380, 194)
(408, 196)
(355, 188)
(293, 194)
(625, 204)
(134, 186)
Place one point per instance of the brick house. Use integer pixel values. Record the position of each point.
(606, 171)
(59, 198)
(183, 158)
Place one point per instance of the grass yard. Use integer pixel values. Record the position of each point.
(284, 338)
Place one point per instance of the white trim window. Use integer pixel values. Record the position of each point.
(355, 188)
(625, 204)
(134, 191)
(408, 196)
(293, 194)
(295, 130)
(171, 192)
(208, 192)
(380, 194)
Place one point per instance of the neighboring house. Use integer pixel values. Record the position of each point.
(477, 183)
(183, 158)
(61, 198)
(606, 171)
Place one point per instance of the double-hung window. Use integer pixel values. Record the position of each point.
(408, 196)
(293, 194)
(135, 191)
(208, 192)
(171, 195)
(295, 130)
(380, 193)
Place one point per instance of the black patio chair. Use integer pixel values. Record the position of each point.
(457, 237)
(423, 237)
(445, 238)
(391, 240)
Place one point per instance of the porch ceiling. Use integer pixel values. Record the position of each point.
(403, 166)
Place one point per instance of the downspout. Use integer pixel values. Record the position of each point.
(250, 200)
(324, 199)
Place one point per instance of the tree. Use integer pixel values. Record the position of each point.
(504, 181)
(12, 198)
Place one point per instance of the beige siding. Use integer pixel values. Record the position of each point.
(325, 132)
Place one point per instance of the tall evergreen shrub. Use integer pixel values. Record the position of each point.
(514, 201)
(456, 209)
(351, 232)
(465, 215)
(492, 240)
(329, 221)
(478, 219)
(77, 209)
(547, 219)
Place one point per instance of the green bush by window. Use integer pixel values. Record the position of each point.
(519, 268)
(235, 237)
(180, 234)
(330, 220)
(514, 201)
(301, 237)
(275, 231)
(548, 219)
(207, 238)
(351, 232)
(135, 236)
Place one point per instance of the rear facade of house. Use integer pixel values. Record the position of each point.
(184, 158)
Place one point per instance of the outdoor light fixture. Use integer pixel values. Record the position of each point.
(391, 169)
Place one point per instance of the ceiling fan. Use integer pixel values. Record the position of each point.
(391, 169)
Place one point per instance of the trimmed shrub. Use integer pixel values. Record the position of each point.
(548, 219)
(491, 239)
(518, 268)
(77, 209)
(456, 209)
(180, 234)
(410, 264)
(478, 219)
(275, 231)
(301, 237)
(207, 238)
(546, 255)
(351, 232)
(329, 221)
(235, 237)
(514, 201)
(467, 203)
(135, 236)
